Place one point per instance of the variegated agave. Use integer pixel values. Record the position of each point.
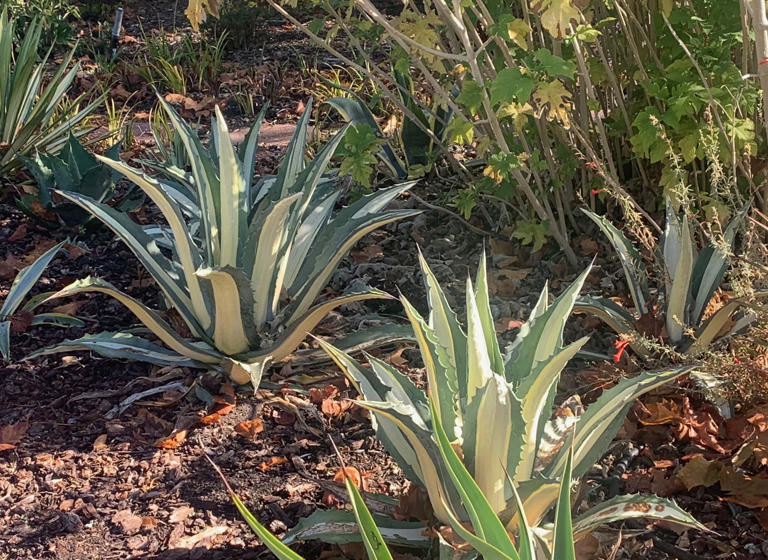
(496, 408)
(486, 533)
(247, 261)
(690, 282)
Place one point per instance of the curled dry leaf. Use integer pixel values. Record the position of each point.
(180, 514)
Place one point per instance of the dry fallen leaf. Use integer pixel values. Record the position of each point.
(12, 434)
(352, 474)
(366, 254)
(223, 404)
(126, 520)
(664, 412)
(197, 540)
(273, 461)
(250, 428)
(700, 472)
(18, 234)
(180, 514)
(100, 442)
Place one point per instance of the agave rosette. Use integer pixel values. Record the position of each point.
(496, 408)
(247, 261)
(690, 282)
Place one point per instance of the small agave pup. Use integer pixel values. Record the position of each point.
(496, 409)
(690, 282)
(247, 261)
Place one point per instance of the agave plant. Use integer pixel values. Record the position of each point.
(496, 409)
(246, 279)
(487, 534)
(417, 146)
(73, 169)
(33, 116)
(25, 279)
(690, 281)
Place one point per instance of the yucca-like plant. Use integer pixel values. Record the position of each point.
(496, 409)
(248, 261)
(33, 116)
(22, 284)
(689, 282)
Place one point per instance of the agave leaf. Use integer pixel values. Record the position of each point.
(710, 267)
(443, 498)
(346, 228)
(374, 542)
(297, 331)
(305, 236)
(544, 335)
(146, 250)
(563, 546)
(245, 372)
(713, 326)
(57, 320)
(340, 527)
(293, 161)
(205, 181)
(494, 438)
(26, 279)
(613, 314)
(633, 506)
(246, 153)
(383, 383)
(527, 543)
(188, 254)
(450, 338)
(234, 196)
(599, 424)
(280, 550)
(356, 112)
(479, 369)
(537, 395)
(631, 261)
(682, 256)
(312, 289)
(491, 538)
(538, 495)
(232, 327)
(194, 351)
(483, 304)
(442, 386)
(119, 345)
(538, 310)
(5, 340)
(266, 243)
